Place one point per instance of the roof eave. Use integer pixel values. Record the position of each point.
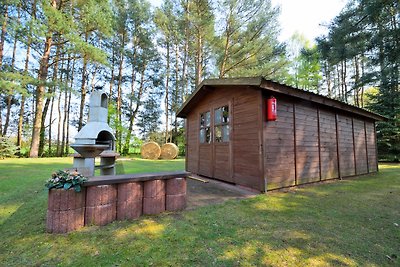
(209, 83)
(319, 99)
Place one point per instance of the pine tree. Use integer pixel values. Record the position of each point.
(247, 45)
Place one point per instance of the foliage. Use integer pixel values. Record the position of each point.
(8, 149)
(353, 222)
(67, 48)
(304, 70)
(361, 50)
(247, 41)
(149, 117)
(66, 180)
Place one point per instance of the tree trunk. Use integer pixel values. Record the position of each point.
(176, 93)
(59, 117)
(166, 100)
(338, 84)
(59, 123)
(344, 74)
(112, 79)
(199, 59)
(26, 68)
(49, 100)
(226, 46)
(43, 71)
(66, 121)
(119, 97)
(8, 112)
(2, 41)
(131, 113)
(3, 34)
(69, 79)
(10, 95)
(357, 82)
(83, 87)
(185, 91)
(40, 90)
(50, 126)
(362, 74)
(83, 93)
(328, 79)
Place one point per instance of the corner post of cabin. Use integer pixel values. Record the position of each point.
(186, 126)
(376, 148)
(295, 145)
(261, 119)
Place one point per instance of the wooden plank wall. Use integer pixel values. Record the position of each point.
(222, 166)
(246, 125)
(323, 142)
(328, 145)
(192, 152)
(279, 150)
(346, 145)
(307, 151)
(360, 146)
(371, 146)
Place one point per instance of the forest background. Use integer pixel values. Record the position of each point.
(53, 53)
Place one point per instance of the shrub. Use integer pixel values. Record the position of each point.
(66, 180)
(7, 148)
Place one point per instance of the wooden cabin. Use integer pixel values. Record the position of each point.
(313, 138)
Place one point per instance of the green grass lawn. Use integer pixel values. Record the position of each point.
(354, 222)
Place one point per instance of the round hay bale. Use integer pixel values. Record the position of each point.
(150, 150)
(169, 151)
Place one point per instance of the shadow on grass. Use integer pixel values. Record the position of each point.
(344, 223)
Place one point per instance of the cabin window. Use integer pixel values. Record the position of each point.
(205, 127)
(221, 124)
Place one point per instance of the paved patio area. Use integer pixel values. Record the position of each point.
(202, 191)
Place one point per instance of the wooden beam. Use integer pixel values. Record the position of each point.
(186, 126)
(295, 144)
(376, 148)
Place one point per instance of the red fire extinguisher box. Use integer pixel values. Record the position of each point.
(271, 104)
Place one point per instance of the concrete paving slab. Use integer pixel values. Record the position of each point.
(213, 192)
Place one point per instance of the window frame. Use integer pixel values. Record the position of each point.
(206, 127)
(222, 123)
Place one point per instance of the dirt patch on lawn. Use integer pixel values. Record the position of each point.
(210, 191)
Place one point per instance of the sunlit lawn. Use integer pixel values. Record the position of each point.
(352, 222)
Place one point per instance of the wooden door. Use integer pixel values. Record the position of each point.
(205, 144)
(222, 167)
(214, 143)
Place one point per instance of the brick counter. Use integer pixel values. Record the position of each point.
(105, 199)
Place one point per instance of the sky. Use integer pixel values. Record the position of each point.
(302, 16)
(306, 16)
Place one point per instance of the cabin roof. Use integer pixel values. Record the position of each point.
(210, 85)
